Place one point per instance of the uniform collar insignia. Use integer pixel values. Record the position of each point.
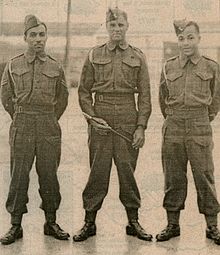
(111, 45)
(30, 56)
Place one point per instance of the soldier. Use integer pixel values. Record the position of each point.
(114, 71)
(189, 99)
(35, 95)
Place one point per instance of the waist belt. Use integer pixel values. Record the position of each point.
(34, 109)
(111, 98)
(194, 112)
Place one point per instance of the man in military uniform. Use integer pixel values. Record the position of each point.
(114, 71)
(189, 99)
(34, 93)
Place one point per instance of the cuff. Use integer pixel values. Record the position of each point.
(142, 121)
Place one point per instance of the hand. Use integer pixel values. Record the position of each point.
(99, 123)
(138, 138)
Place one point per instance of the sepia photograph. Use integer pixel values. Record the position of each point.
(109, 127)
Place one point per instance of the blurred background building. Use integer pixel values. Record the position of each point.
(150, 28)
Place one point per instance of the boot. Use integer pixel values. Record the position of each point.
(53, 229)
(169, 232)
(213, 233)
(14, 233)
(89, 229)
(135, 229)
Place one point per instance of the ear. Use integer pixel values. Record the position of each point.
(25, 38)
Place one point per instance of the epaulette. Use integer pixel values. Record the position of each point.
(52, 58)
(92, 49)
(206, 57)
(137, 49)
(172, 58)
(17, 56)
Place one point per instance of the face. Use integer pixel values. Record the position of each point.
(188, 41)
(117, 29)
(36, 38)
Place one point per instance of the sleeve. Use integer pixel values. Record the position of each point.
(61, 95)
(144, 95)
(7, 91)
(85, 86)
(215, 90)
(163, 93)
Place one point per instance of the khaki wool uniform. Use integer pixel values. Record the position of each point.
(114, 74)
(34, 93)
(189, 98)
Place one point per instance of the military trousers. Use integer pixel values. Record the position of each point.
(105, 147)
(187, 137)
(34, 136)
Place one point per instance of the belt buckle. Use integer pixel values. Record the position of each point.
(100, 98)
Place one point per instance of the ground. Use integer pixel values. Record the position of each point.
(111, 220)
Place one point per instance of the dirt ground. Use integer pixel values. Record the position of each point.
(111, 220)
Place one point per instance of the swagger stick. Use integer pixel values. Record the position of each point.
(109, 127)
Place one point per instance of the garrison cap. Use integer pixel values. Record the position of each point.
(180, 25)
(113, 14)
(32, 21)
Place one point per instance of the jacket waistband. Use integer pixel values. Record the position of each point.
(190, 112)
(34, 109)
(111, 98)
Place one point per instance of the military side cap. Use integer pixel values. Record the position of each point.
(113, 14)
(32, 21)
(180, 25)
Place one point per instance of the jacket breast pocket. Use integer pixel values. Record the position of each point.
(130, 69)
(22, 79)
(49, 81)
(201, 82)
(174, 83)
(103, 69)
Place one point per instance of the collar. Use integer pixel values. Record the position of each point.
(112, 45)
(194, 59)
(30, 56)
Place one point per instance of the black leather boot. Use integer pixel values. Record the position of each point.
(169, 232)
(89, 229)
(14, 233)
(135, 229)
(213, 233)
(53, 229)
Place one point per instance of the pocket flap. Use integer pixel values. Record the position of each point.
(20, 71)
(53, 140)
(51, 73)
(102, 61)
(173, 76)
(204, 75)
(133, 62)
(203, 140)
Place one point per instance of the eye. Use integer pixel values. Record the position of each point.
(42, 34)
(32, 34)
(120, 24)
(112, 25)
(180, 38)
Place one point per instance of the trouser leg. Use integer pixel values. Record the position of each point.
(174, 160)
(100, 151)
(125, 158)
(22, 155)
(200, 154)
(48, 151)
